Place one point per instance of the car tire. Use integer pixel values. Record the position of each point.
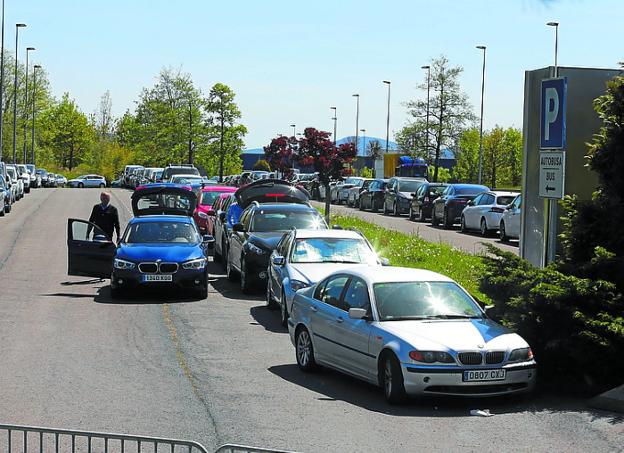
(80, 185)
(8, 208)
(284, 310)
(2, 212)
(373, 206)
(395, 210)
(202, 292)
(392, 380)
(421, 215)
(304, 351)
(245, 280)
(102, 186)
(502, 233)
(445, 220)
(462, 225)
(411, 214)
(483, 228)
(385, 208)
(434, 219)
(229, 270)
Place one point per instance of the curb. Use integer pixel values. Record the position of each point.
(612, 400)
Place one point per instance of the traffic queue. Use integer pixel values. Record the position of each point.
(412, 332)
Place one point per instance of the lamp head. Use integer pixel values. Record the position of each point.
(552, 24)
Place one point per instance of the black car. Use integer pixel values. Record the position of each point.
(422, 202)
(221, 228)
(448, 207)
(398, 196)
(254, 238)
(373, 197)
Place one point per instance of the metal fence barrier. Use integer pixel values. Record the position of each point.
(27, 439)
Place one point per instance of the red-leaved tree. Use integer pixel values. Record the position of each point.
(331, 162)
(281, 154)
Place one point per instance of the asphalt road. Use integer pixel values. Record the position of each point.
(216, 370)
(468, 242)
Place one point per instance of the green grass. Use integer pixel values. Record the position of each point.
(408, 250)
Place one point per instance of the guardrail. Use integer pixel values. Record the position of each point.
(36, 439)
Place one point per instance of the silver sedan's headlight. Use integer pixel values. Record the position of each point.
(520, 355)
(296, 285)
(195, 265)
(123, 264)
(255, 249)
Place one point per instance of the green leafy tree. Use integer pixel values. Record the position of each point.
(467, 155)
(449, 112)
(262, 165)
(66, 132)
(223, 116)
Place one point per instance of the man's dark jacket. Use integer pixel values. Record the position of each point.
(107, 219)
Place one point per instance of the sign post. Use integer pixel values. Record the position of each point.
(552, 155)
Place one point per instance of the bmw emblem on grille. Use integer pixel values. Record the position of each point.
(480, 346)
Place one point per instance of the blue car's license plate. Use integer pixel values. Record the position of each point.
(157, 278)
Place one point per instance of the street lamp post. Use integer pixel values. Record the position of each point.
(17, 27)
(335, 118)
(357, 120)
(363, 131)
(34, 97)
(556, 25)
(294, 129)
(2, 82)
(387, 82)
(428, 68)
(28, 50)
(483, 48)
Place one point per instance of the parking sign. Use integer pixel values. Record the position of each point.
(553, 114)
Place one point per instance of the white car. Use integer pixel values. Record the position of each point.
(509, 227)
(187, 179)
(17, 184)
(340, 192)
(24, 174)
(303, 257)
(409, 331)
(484, 212)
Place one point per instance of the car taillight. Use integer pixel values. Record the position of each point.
(495, 209)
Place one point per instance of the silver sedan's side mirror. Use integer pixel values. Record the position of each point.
(357, 313)
(278, 260)
(384, 261)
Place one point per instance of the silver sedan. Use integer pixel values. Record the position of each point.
(410, 331)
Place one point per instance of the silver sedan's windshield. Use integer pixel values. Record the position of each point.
(423, 300)
(332, 250)
(161, 232)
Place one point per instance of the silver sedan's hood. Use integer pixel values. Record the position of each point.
(311, 273)
(457, 335)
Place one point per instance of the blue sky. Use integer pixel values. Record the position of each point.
(290, 61)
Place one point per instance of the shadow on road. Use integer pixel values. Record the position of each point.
(334, 386)
(267, 318)
(146, 297)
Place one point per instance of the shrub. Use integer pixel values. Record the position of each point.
(262, 165)
(574, 325)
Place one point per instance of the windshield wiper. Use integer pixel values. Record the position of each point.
(404, 318)
(341, 261)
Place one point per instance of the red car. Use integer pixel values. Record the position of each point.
(204, 213)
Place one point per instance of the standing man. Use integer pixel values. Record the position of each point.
(105, 216)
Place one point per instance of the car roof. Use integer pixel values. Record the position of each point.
(161, 218)
(215, 188)
(503, 193)
(343, 234)
(388, 274)
(459, 186)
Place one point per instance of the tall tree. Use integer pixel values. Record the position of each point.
(281, 154)
(67, 132)
(223, 115)
(467, 155)
(449, 112)
(104, 120)
(315, 148)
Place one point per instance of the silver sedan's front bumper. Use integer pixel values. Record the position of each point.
(519, 378)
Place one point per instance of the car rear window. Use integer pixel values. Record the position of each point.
(469, 190)
(505, 199)
(264, 221)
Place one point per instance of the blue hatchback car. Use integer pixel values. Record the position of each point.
(161, 246)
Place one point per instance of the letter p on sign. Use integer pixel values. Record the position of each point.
(553, 110)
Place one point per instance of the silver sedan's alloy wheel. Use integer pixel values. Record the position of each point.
(388, 377)
(305, 351)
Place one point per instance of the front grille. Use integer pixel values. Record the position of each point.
(470, 358)
(168, 268)
(148, 268)
(494, 357)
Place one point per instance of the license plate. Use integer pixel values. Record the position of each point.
(484, 375)
(158, 278)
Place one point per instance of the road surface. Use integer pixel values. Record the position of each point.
(216, 370)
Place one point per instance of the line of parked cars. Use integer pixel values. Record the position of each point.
(17, 180)
(474, 207)
(409, 331)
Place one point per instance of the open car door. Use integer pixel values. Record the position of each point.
(164, 199)
(90, 252)
(270, 191)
